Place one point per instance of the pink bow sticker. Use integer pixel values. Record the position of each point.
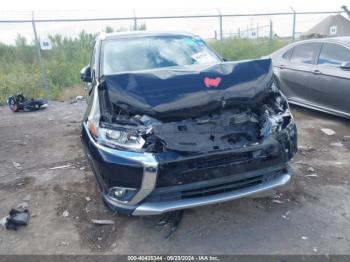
(212, 82)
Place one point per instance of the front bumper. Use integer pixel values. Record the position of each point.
(153, 198)
(154, 208)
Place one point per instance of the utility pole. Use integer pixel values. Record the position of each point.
(294, 21)
(271, 30)
(221, 34)
(135, 20)
(42, 67)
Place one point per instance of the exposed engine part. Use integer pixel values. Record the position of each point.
(231, 127)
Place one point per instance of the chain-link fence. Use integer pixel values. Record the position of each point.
(45, 69)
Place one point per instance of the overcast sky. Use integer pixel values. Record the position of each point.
(20, 9)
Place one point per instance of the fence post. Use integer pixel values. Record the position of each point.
(135, 20)
(271, 30)
(41, 65)
(294, 21)
(221, 33)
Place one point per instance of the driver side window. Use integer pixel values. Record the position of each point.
(304, 53)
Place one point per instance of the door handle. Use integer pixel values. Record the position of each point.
(281, 66)
(316, 72)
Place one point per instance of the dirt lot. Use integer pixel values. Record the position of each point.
(311, 216)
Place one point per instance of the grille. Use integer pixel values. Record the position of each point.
(206, 168)
(227, 187)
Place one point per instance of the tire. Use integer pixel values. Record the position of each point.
(12, 104)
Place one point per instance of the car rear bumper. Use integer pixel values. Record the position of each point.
(158, 190)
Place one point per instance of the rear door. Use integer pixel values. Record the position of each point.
(329, 85)
(294, 71)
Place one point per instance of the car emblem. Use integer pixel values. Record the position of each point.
(212, 82)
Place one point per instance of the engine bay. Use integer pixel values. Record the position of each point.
(233, 126)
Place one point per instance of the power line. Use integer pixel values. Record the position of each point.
(40, 20)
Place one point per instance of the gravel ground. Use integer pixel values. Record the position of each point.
(310, 216)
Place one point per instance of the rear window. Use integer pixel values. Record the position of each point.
(333, 54)
(304, 53)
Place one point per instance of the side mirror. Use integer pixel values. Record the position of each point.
(85, 74)
(345, 66)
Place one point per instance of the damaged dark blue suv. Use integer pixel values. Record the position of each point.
(170, 125)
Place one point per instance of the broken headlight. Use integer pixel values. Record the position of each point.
(120, 138)
(116, 138)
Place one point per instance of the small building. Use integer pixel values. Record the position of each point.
(331, 26)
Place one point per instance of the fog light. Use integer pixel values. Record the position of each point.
(121, 193)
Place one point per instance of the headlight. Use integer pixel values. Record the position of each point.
(120, 138)
(116, 138)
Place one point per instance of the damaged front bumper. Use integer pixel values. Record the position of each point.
(169, 181)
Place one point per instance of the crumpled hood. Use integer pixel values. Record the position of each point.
(190, 90)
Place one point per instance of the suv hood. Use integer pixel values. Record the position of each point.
(189, 91)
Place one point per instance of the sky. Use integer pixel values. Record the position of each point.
(205, 27)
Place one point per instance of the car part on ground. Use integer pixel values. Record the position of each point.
(16, 218)
(20, 103)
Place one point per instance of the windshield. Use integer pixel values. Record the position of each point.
(142, 53)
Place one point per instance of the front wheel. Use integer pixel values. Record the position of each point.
(12, 104)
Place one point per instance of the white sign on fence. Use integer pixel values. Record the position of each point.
(45, 44)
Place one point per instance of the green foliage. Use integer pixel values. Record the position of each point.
(242, 48)
(19, 70)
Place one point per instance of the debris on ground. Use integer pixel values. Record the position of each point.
(312, 175)
(176, 222)
(15, 219)
(306, 148)
(62, 243)
(88, 199)
(102, 221)
(328, 131)
(62, 167)
(311, 169)
(77, 99)
(22, 206)
(20, 103)
(315, 249)
(174, 218)
(304, 238)
(3, 221)
(17, 165)
(277, 201)
(65, 213)
(286, 215)
(337, 144)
